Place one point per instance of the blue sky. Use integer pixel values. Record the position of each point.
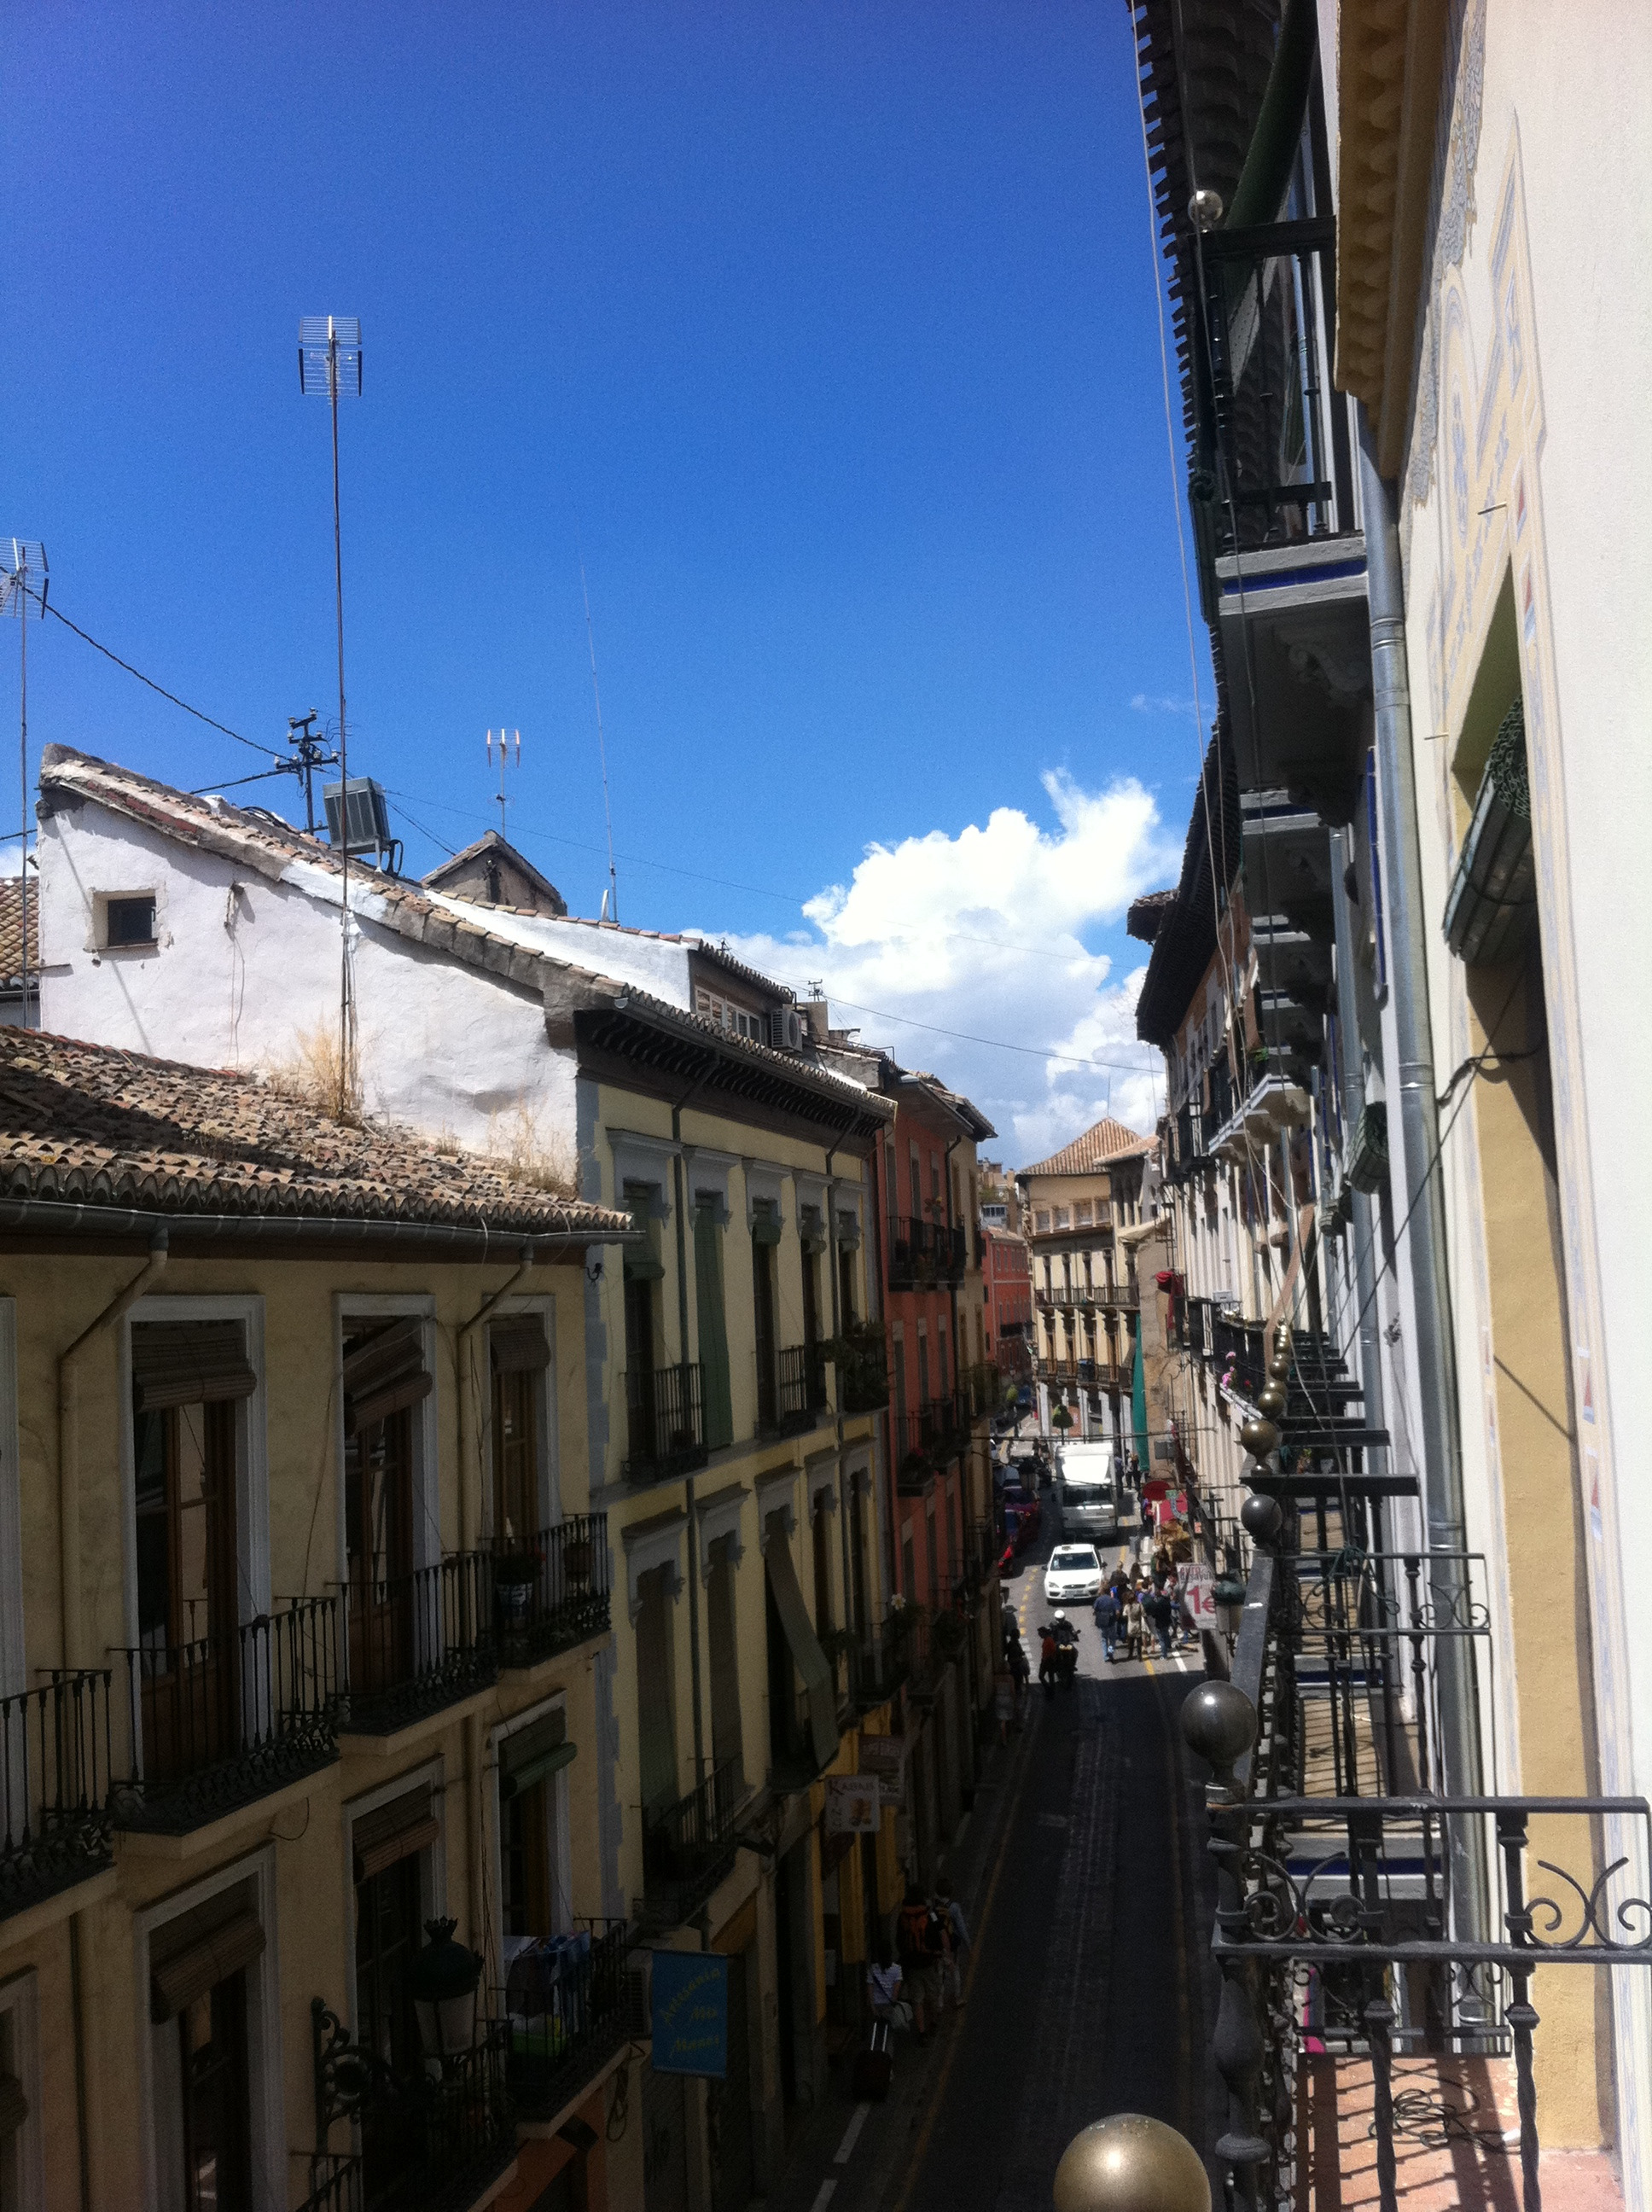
(829, 332)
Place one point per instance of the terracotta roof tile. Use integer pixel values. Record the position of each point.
(86, 1124)
(11, 928)
(1104, 1141)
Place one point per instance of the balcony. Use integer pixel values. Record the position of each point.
(432, 2141)
(54, 1788)
(556, 1595)
(1376, 1933)
(418, 1642)
(1126, 1297)
(565, 2004)
(223, 1720)
(862, 1360)
(981, 1387)
(928, 1440)
(688, 1847)
(922, 1252)
(664, 1427)
(1289, 564)
(880, 1660)
(791, 1390)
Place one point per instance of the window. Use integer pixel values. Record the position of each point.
(1041, 1222)
(22, 2168)
(656, 1696)
(765, 1235)
(723, 1632)
(129, 920)
(519, 1357)
(724, 1014)
(821, 1533)
(715, 1395)
(1062, 1217)
(1081, 1213)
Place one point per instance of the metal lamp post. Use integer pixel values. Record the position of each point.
(442, 1982)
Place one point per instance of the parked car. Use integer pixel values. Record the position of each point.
(1074, 1572)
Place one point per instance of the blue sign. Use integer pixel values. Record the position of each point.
(690, 2012)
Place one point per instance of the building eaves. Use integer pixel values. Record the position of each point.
(104, 1131)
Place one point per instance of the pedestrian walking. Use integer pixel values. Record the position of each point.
(1048, 1660)
(921, 1945)
(1135, 1625)
(957, 1941)
(884, 1983)
(1108, 1615)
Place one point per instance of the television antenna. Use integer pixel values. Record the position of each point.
(23, 577)
(610, 897)
(329, 363)
(312, 753)
(502, 741)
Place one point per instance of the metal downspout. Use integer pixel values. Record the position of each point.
(693, 1531)
(1418, 1116)
(1353, 1102)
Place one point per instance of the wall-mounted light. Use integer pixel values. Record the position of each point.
(594, 1268)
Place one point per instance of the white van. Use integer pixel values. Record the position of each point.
(1086, 1491)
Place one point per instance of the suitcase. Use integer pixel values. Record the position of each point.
(873, 2066)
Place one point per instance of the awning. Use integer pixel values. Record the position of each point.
(212, 1959)
(848, 1229)
(811, 1229)
(766, 1222)
(519, 1346)
(1368, 1151)
(386, 1374)
(807, 1656)
(190, 1363)
(532, 1753)
(1492, 907)
(394, 1832)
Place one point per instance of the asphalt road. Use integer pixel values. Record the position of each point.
(1089, 1992)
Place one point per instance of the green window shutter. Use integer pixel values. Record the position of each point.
(717, 1404)
(1492, 907)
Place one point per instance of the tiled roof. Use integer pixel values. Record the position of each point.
(1104, 1141)
(11, 929)
(88, 1126)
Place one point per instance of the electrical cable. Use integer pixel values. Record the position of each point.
(252, 743)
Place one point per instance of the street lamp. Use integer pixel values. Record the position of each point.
(443, 1982)
(1128, 2163)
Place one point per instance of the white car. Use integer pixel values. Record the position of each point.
(1074, 1571)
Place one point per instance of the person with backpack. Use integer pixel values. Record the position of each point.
(1109, 1613)
(921, 1945)
(1161, 1610)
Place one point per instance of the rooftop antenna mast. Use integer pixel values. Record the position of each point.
(610, 897)
(23, 577)
(504, 740)
(312, 753)
(329, 363)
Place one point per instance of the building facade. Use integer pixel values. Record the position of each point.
(1084, 1280)
(274, 1702)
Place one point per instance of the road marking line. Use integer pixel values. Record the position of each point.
(851, 2134)
(824, 2198)
(1181, 1662)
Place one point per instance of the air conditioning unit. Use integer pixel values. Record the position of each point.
(786, 1030)
(358, 820)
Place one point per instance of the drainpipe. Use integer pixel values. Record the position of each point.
(471, 1485)
(688, 1483)
(68, 1493)
(1353, 1102)
(1419, 1184)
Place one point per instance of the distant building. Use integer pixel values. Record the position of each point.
(492, 873)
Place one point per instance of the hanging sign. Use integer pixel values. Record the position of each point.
(882, 1754)
(690, 2013)
(851, 1802)
(1200, 1595)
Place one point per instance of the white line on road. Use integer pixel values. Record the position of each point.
(1181, 1661)
(852, 2135)
(824, 2198)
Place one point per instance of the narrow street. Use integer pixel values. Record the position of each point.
(1088, 1894)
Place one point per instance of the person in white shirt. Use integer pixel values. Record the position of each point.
(883, 1983)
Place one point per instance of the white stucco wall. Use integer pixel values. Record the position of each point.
(245, 968)
(1535, 431)
(657, 964)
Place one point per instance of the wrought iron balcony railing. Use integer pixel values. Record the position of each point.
(335, 2184)
(862, 1361)
(689, 1846)
(566, 2005)
(54, 1787)
(1376, 1934)
(418, 1642)
(666, 1431)
(791, 1389)
(223, 1720)
(561, 1600)
(433, 2139)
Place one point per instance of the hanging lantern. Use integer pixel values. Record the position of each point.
(443, 1982)
(1258, 1436)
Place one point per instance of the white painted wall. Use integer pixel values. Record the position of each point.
(246, 967)
(657, 964)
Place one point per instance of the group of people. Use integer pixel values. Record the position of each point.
(922, 1970)
(1128, 1606)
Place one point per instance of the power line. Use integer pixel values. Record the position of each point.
(998, 1044)
(87, 638)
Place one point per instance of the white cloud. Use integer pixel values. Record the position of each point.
(1147, 702)
(983, 935)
